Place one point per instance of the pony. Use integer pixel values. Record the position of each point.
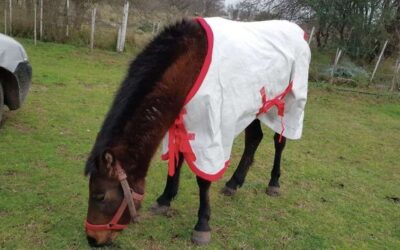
(149, 103)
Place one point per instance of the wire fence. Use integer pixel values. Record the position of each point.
(349, 74)
(345, 77)
(68, 21)
(102, 26)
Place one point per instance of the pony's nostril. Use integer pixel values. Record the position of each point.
(92, 241)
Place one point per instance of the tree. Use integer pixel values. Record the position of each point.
(344, 23)
(212, 7)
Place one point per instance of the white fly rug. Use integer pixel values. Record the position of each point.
(256, 70)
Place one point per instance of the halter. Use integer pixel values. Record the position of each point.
(129, 197)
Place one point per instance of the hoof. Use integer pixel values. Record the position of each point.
(227, 191)
(159, 209)
(201, 238)
(273, 191)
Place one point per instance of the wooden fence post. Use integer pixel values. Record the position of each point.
(337, 58)
(93, 27)
(124, 27)
(5, 21)
(158, 27)
(378, 62)
(10, 16)
(67, 18)
(118, 38)
(34, 21)
(396, 74)
(311, 35)
(41, 20)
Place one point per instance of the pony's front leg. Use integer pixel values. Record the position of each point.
(202, 231)
(161, 206)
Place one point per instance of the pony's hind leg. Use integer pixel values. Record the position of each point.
(162, 204)
(273, 186)
(202, 231)
(253, 137)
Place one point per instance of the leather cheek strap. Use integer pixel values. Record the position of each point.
(128, 201)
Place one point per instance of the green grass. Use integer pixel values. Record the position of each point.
(335, 180)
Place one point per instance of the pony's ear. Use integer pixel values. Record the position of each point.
(109, 160)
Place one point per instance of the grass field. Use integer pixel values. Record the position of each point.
(339, 182)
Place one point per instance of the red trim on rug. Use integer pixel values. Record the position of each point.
(209, 177)
(207, 60)
(198, 172)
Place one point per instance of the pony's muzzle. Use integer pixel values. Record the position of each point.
(100, 238)
(92, 242)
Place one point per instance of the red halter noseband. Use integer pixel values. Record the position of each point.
(129, 197)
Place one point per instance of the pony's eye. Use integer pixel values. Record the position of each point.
(98, 197)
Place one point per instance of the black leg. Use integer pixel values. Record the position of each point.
(253, 137)
(273, 186)
(201, 234)
(204, 209)
(163, 202)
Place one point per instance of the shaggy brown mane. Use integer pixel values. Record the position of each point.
(143, 76)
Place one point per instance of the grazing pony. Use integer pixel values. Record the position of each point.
(198, 84)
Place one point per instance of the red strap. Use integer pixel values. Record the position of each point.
(119, 213)
(306, 36)
(278, 101)
(113, 225)
(178, 141)
(137, 196)
(103, 227)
